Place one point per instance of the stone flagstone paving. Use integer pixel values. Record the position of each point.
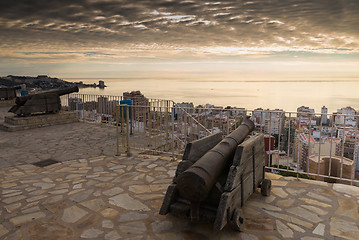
(119, 198)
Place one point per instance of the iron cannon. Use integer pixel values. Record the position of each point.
(8, 93)
(43, 102)
(216, 176)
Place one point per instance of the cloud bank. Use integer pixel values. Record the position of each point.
(142, 30)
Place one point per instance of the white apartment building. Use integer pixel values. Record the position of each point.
(324, 112)
(271, 120)
(345, 116)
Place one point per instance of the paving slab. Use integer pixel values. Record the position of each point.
(111, 205)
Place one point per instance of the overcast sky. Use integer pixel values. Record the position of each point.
(273, 39)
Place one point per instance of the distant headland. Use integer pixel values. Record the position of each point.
(44, 82)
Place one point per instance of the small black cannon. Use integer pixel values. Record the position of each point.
(217, 176)
(8, 93)
(44, 102)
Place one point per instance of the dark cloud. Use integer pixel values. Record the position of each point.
(91, 24)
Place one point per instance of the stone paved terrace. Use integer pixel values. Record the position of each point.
(60, 143)
(119, 198)
(92, 194)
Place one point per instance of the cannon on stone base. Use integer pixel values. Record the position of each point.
(216, 177)
(44, 102)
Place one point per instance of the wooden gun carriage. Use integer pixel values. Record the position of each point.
(216, 177)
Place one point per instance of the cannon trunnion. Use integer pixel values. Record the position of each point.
(216, 177)
(44, 102)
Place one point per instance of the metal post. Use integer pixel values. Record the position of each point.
(190, 120)
(198, 126)
(160, 128)
(117, 133)
(331, 147)
(299, 160)
(289, 130)
(228, 122)
(167, 134)
(149, 127)
(261, 121)
(122, 124)
(212, 123)
(288, 140)
(320, 142)
(173, 133)
(342, 157)
(83, 107)
(154, 125)
(270, 124)
(279, 134)
(355, 152)
(309, 134)
(128, 132)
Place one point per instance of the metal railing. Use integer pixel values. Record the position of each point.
(320, 146)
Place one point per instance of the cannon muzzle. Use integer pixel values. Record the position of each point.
(64, 91)
(195, 183)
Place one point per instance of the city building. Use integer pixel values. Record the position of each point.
(137, 98)
(324, 118)
(333, 166)
(180, 109)
(271, 121)
(268, 148)
(75, 103)
(306, 146)
(351, 151)
(303, 111)
(345, 117)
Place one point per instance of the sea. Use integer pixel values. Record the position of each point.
(285, 95)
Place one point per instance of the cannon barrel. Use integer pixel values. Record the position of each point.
(11, 88)
(64, 91)
(20, 101)
(195, 183)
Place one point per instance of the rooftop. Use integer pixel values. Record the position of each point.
(92, 194)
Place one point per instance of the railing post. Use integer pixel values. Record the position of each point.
(173, 133)
(309, 136)
(154, 127)
(320, 143)
(355, 152)
(128, 150)
(167, 135)
(228, 121)
(122, 123)
(83, 107)
(342, 148)
(117, 133)
(331, 147)
(297, 146)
